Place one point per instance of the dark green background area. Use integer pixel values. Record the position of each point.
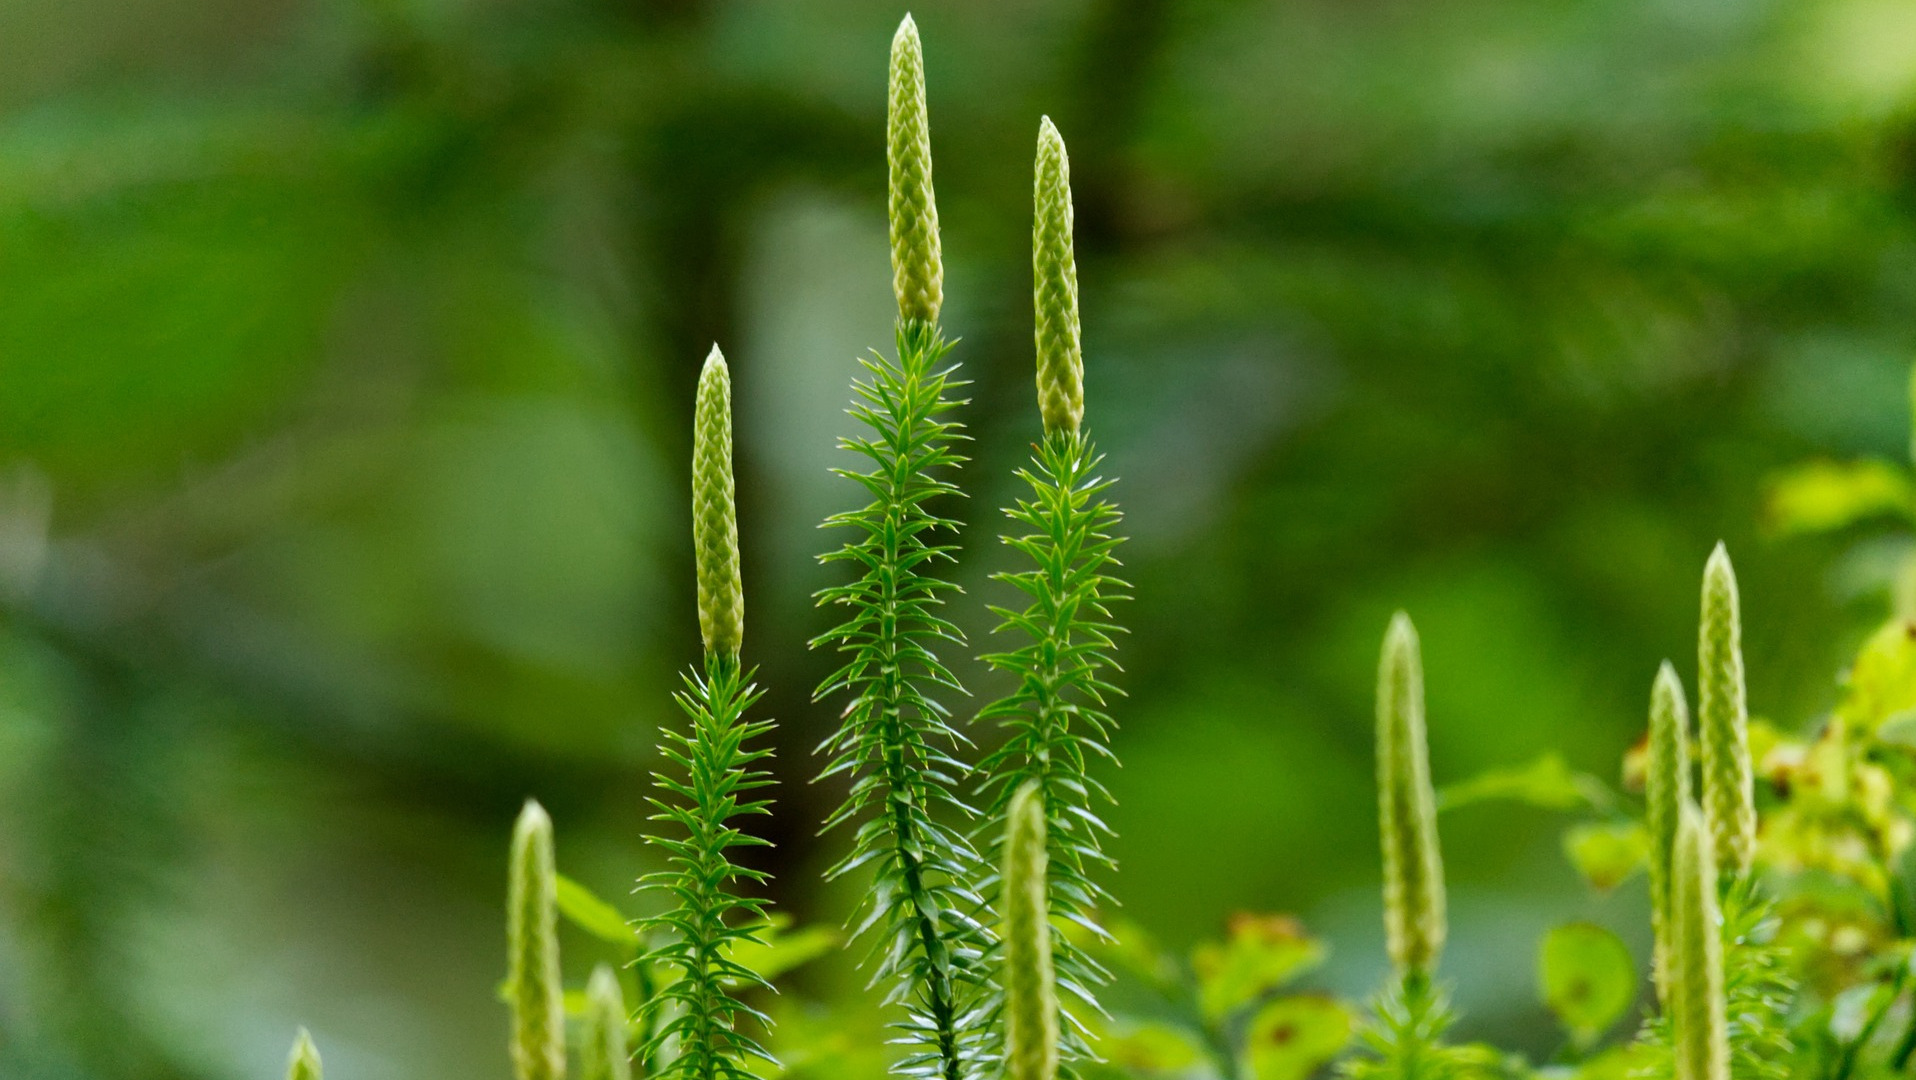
(346, 362)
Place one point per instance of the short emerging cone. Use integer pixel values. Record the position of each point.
(917, 270)
(1699, 1029)
(603, 1054)
(303, 1062)
(1666, 790)
(1723, 724)
(1054, 270)
(532, 943)
(714, 517)
(1414, 921)
(1031, 996)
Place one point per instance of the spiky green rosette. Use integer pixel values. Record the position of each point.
(714, 518)
(303, 1062)
(1414, 920)
(532, 942)
(893, 738)
(918, 272)
(1698, 1022)
(603, 1054)
(1729, 800)
(1054, 268)
(712, 773)
(1056, 712)
(1031, 998)
(1666, 788)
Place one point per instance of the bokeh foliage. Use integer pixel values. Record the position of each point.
(346, 350)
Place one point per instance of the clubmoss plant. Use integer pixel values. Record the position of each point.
(1723, 723)
(1055, 712)
(895, 742)
(303, 1062)
(1698, 1020)
(1031, 998)
(1412, 1014)
(603, 1053)
(1666, 789)
(532, 936)
(710, 782)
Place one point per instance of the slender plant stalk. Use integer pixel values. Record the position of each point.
(1414, 919)
(1031, 998)
(1699, 1027)
(303, 1062)
(1666, 789)
(603, 1053)
(713, 774)
(532, 935)
(891, 741)
(1055, 713)
(1729, 800)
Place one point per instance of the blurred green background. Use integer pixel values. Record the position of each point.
(346, 358)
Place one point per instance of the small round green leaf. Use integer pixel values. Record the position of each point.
(1292, 1037)
(1607, 853)
(1587, 977)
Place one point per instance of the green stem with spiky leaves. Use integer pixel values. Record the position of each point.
(711, 780)
(891, 742)
(1056, 713)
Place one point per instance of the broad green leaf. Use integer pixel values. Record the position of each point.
(1261, 954)
(1882, 682)
(1823, 496)
(1150, 1049)
(1607, 853)
(596, 917)
(1587, 978)
(1130, 948)
(1546, 782)
(1292, 1037)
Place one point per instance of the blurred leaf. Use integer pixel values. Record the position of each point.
(1130, 948)
(1607, 853)
(1882, 682)
(780, 949)
(596, 917)
(1822, 496)
(1261, 954)
(1546, 782)
(1290, 1038)
(1151, 1048)
(1587, 978)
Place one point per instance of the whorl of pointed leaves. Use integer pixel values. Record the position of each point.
(603, 1053)
(1699, 1027)
(1054, 269)
(714, 513)
(918, 273)
(1031, 999)
(1056, 712)
(303, 1062)
(1666, 789)
(894, 741)
(532, 939)
(711, 777)
(1414, 920)
(1723, 724)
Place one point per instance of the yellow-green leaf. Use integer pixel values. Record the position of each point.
(1607, 853)
(1882, 682)
(1261, 954)
(1152, 1049)
(1546, 782)
(1587, 978)
(586, 911)
(1823, 496)
(1292, 1037)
